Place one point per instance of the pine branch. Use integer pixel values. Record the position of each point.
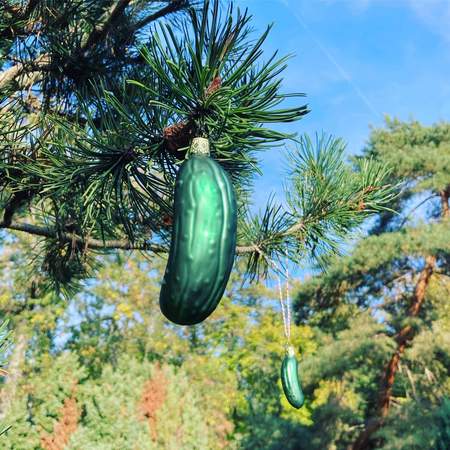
(329, 197)
(31, 5)
(173, 7)
(347, 202)
(98, 244)
(114, 177)
(32, 104)
(8, 31)
(95, 244)
(125, 166)
(16, 201)
(9, 8)
(42, 62)
(98, 34)
(7, 76)
(208, 83)
(100, 31)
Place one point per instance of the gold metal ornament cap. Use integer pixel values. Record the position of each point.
(290, 350)
(199, 146)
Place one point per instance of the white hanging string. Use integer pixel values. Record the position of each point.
(284, 302)
(284, 312)
(288, 302)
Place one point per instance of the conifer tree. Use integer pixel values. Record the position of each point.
(99, 101)
(399, 272)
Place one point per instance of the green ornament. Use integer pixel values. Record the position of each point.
(203, 239)
(291, 380)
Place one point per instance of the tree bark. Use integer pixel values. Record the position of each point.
(9, 388)
(445, 210)
(106, 22)
(28, 71)
(97, 244)
(403, 337)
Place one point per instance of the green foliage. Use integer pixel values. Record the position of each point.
(327, 200)
(36, 406)
(443, 418)
(113, 416)
(426, 427)
(52, 55)
(272, 433)
(421, 157)
(355, 278)
(4, 342)
(225, 372)
(340, 380)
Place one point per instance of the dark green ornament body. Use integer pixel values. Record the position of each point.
(203, 241)
(291, 380)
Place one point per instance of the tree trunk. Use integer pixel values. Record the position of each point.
(445, 210)
(404, 336)
(8, 390)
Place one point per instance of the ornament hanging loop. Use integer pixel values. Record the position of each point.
(284, 300)
(290, 350)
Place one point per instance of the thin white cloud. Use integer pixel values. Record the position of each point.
(356, 6)
(332, 59)
(435, 14)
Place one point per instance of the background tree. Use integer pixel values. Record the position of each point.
(97, 109)
(397, 279)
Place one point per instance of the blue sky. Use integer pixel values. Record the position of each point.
(357, 60)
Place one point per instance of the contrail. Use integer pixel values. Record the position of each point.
(345, 75)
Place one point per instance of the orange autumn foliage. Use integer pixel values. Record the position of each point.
(64, 428)
(153, 397)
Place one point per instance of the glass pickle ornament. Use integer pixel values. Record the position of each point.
(203, 242)
(290, 379)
